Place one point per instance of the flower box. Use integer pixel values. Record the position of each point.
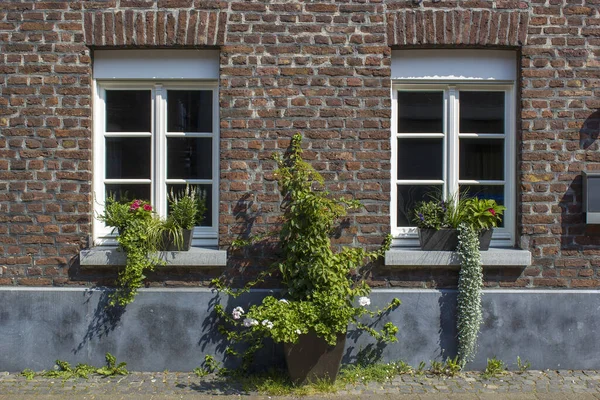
(446, 239)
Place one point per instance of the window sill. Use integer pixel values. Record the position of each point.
(196, 257)
(493, 257)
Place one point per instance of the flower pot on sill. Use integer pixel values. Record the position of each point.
(446, 239)
(169, 242)
(311, 358)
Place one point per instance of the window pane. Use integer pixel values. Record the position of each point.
(189, 111)
(128, 111)
(189, 158)
(409, 196)
(206, 192)
(128, 191)
(420, 112)
(420, 158)
(128, 158)
(481, 112)
(494, 192)
(482, 159)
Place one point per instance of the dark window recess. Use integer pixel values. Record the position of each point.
(128, 110)
(481, 112)
(420, 112)
(189, 158)
(481, 159)
(189, 111)
(127, 158)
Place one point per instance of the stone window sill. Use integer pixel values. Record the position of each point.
(196, 257)
(500, 257)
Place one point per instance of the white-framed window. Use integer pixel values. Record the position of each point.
(154, 136)
(453, 131)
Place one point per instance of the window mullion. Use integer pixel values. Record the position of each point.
(160, 162)
(452, 142)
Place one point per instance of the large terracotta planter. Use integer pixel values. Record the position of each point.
(312, 359)
(447, 239)
(169, 243)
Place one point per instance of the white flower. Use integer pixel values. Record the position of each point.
(364, 301)
(237, 312)
(267, 323)
(284, 301)
(248, 322)
(298, 331)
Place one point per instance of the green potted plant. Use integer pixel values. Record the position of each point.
(186, 210)
(438, 220)
(140, 237)
(322, 294)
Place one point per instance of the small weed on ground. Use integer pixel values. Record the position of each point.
(522, 366)
(494, 368)
(65, 371)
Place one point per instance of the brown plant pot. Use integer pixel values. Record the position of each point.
(446, 239)
(169, 243)
(312, 359)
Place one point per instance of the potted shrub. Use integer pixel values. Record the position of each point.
(438, 221)
(322, 295)
(139, 236)
(186, 210)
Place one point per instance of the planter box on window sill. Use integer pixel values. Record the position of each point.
(195, 257)
(499, 257)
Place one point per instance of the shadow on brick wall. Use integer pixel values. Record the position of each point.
(574, 232)
(590, 131)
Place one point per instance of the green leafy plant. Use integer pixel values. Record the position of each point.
(65, 371)
(322, 292)
(494, 368)
(140, 237)
(112, 368)
(452, 366)
(436, 367)
(470, 285)
(420, 368)
(522, 366)
(482, 213)
(28, 373)
(438, 213)
(377, 372)
(187, 207)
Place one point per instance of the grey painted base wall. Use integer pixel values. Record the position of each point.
(173, 329)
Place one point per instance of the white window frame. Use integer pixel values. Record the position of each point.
(202, 236)
(503, 237)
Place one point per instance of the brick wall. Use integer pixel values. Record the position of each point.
(321, 68)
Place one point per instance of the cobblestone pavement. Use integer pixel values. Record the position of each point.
(555, 385)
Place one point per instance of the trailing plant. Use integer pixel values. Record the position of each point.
(140, 237)
(322, 293)
(470, 285)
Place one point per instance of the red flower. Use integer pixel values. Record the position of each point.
(492, 211)
(147, 207)
(135, 205)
